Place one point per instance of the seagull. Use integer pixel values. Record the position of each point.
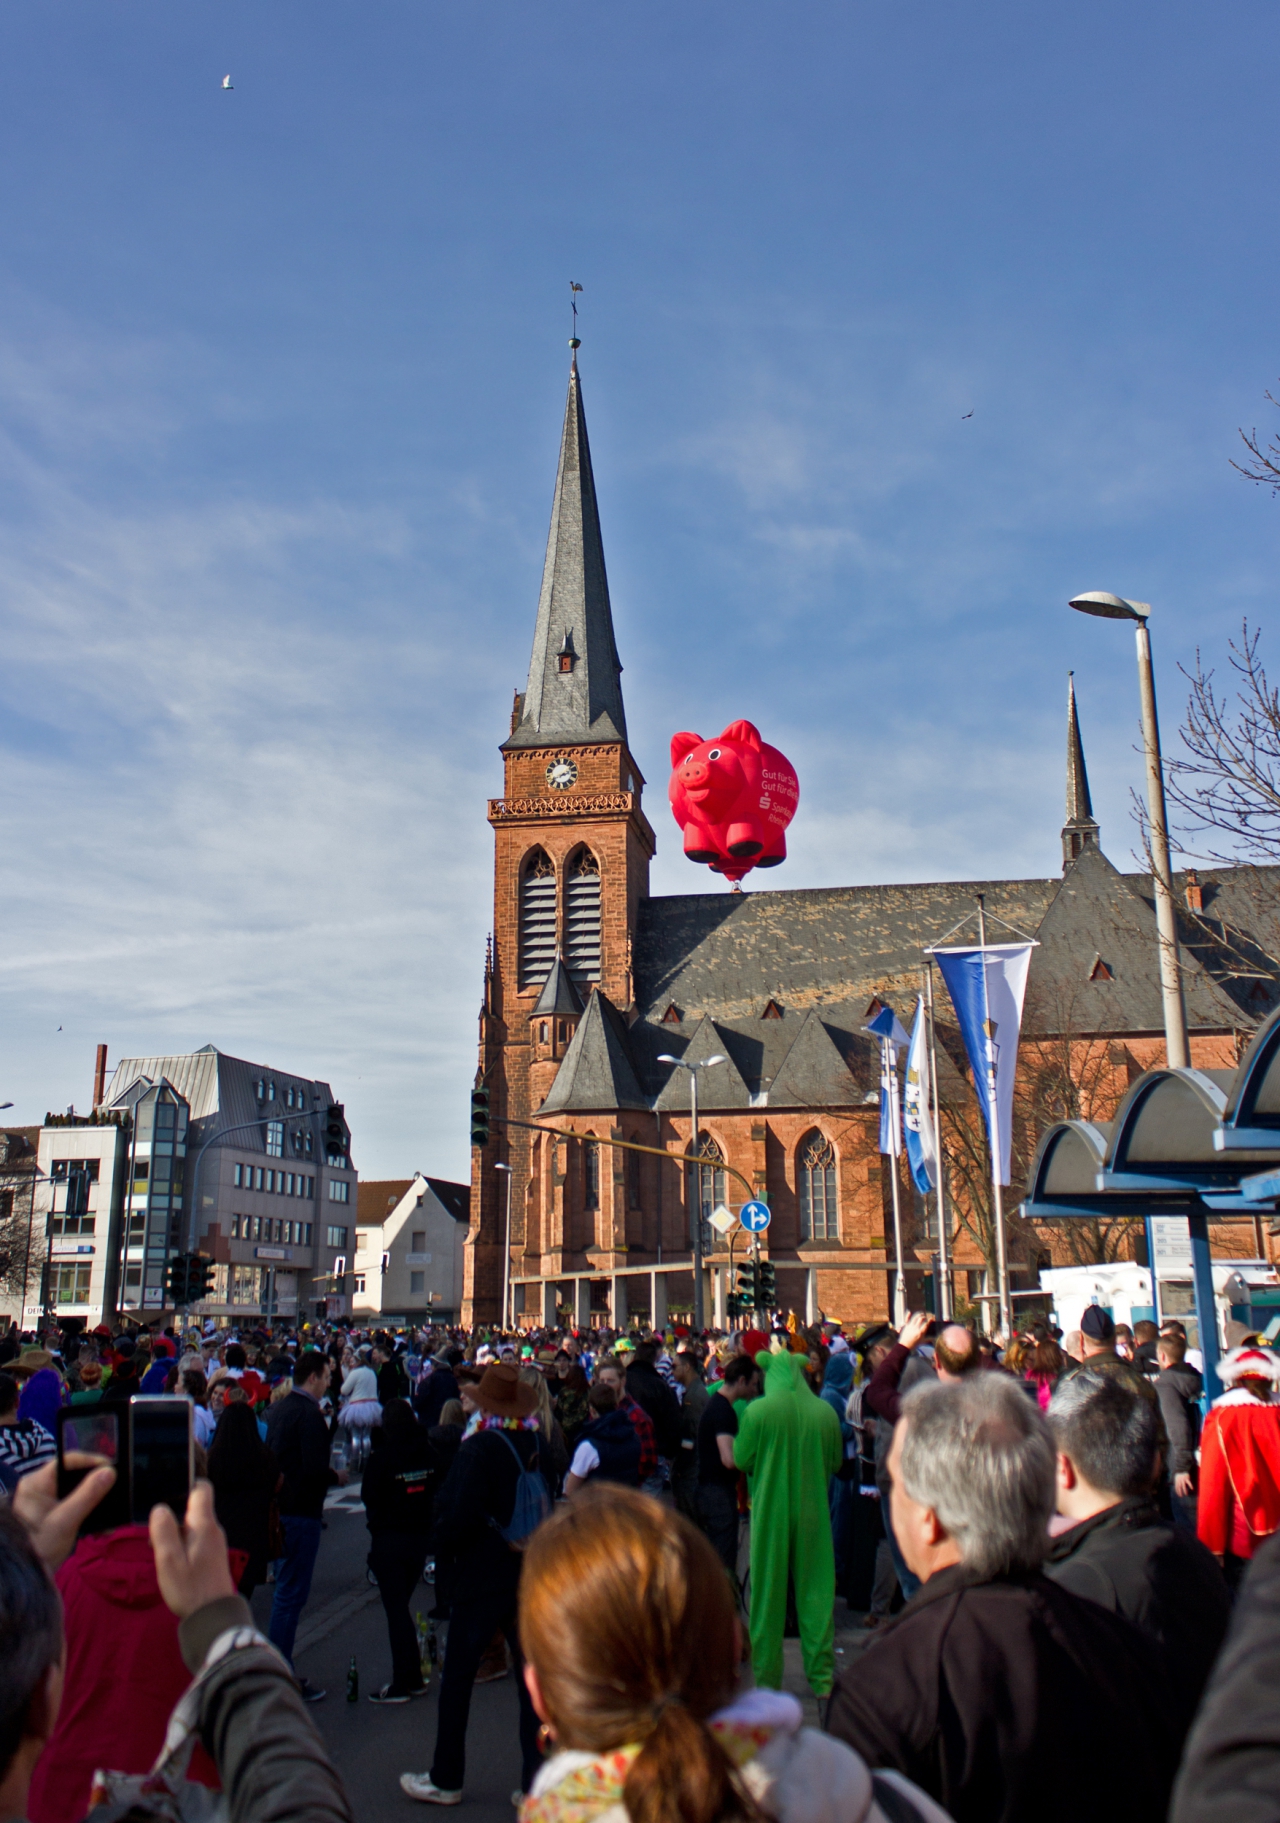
(59, 1028)
(226, 82)
(967, 415)
(574, 285)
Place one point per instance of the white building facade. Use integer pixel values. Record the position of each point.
(409, 1267)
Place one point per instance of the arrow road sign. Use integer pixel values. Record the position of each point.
(755, 1217)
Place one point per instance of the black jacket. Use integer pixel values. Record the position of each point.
(1013, 1699)
(1232, 1766)
(1178, 1389)
(1134, 1562)
(652, 1394)
(434, 1392)
(393, 1381)
(399, 1485)
(479, 1495)
(243, 1490)
(298, 1437)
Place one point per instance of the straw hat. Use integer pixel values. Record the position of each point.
(503, 1394)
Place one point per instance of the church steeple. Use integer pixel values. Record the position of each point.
(574, 694)
(1080, 831)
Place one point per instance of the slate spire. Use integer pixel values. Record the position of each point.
(1080, 831)
(574, 693)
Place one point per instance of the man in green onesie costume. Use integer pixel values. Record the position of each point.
(790, 1446)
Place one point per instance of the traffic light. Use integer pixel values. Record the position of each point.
(177, 1279)
(479, 1115)
(748, 1290)
(199, 1277)
(335, 1130)
(768, 1287)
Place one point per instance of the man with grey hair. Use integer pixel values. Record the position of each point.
(1002, 1694)
(1118, 1551)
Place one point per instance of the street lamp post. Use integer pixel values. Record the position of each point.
(1177, 1050)
(506, 1252)
(1114, 607)
(699, 1306)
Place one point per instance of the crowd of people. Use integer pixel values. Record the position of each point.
(1063, 1567)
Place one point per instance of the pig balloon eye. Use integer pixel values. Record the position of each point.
(714, 754)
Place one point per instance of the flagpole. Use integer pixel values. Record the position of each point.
(1002, 1258)
(944, 1245)
(889, 1077)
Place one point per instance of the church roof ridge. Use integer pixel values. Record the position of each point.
(574, 692)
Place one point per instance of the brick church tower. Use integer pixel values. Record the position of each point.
(572, 852)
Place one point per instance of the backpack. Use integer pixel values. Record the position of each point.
(533, 1502)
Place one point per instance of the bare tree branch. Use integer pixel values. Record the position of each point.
(1229, 783)
(1264, 467)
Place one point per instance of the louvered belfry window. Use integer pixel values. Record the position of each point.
(537, 918)
(819, 1208)
(582, 919)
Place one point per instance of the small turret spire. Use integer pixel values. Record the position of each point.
(1080, 831)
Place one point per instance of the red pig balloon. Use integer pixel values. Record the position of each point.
(733, 797)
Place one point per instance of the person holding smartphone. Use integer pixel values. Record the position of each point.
(248, 1706)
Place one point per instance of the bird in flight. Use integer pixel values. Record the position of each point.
(226, 82)
(967, 415)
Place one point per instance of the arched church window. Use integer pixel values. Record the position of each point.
(591, 1175)
(706, 1181)
(816, 1170)
(537, 944)
(582, 918)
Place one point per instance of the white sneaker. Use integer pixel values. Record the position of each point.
(418, 1785)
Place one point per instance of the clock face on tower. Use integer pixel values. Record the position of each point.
(561, 774)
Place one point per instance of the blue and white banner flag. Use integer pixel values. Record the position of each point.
(922, 1153)
(987, 988)
(887, 1028)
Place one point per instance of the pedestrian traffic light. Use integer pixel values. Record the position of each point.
(768, 1287)
(176, 1281)
(479, 1115)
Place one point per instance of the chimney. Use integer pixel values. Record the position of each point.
(1194, 892)
(99, 1075)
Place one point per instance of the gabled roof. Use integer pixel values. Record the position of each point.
(1097, 914)
(813, 1073)
(584, 702)
(455, 1197)
(722, 1086)
(597, 1071)
(558, 995)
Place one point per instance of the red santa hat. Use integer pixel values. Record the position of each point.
(1249, 1362)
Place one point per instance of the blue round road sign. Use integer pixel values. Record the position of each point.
(755, 1217)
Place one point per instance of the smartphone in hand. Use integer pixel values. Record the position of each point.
(89, 1438)
(161, 1455)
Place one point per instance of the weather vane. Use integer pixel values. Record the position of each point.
(574, 289)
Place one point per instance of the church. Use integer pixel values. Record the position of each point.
(590, 982)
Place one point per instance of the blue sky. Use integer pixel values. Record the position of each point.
(281, 377)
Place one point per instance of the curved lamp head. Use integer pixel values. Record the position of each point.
(499, 1166)
(679, 1062)
(1109, 607)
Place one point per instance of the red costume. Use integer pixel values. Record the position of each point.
(1239, 1503)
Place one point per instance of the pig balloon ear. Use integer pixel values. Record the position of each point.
(682, 744)
(746, 732)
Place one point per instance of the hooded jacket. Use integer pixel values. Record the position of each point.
(124, 1673)
(793, 1774)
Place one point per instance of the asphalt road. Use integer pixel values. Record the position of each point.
(373, 1746)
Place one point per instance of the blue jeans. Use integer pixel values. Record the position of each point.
(908, 1583)
(293, 1579)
